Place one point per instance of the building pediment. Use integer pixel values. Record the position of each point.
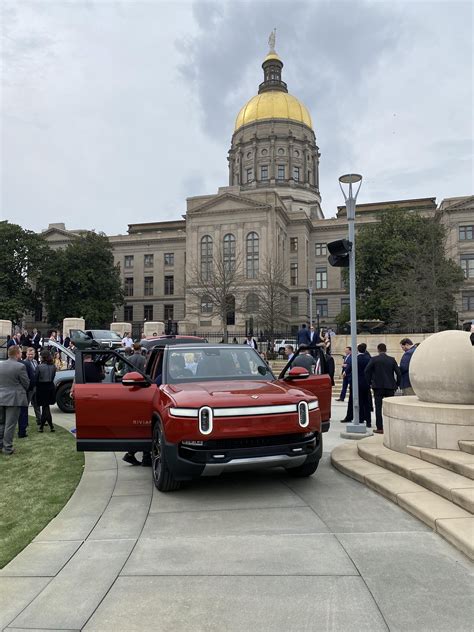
(226, 202)
(459, 204)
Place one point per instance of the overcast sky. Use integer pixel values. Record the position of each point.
(115, 112)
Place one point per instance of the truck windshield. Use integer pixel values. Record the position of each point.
(193, 364)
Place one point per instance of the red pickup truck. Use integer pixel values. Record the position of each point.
(202, 409)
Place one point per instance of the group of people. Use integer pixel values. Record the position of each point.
(380, 374)
(25, 382)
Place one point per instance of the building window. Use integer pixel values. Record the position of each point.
(467, 264)
(169, 258)
(281, 172)
(264, 172)
(206, 257)
(206, 304)
(128, 261)
(169, 285)
(128, 286)
(293, 244)
(293, 274)
(345, 301)
(321, 278)
(296, 174)
(128, 313)
(322, 307)
(229, 252)
(252, 304)
(468, 302)
(249, 174)
(252, 255)
(320, 249)
(148, 261)
(466, 233)
(148, 312)
(294, 306)
(148, 286)
(168, 312)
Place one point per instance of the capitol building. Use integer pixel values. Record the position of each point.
(267, 218)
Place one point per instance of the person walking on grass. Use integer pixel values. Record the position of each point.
(383, 375)
(45, 390)
(14, 384)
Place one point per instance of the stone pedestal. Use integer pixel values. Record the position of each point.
(409, 421)
(121, 328)
(5, 328)
(73, 323)
(154, 327)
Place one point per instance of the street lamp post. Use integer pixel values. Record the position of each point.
(350, 199)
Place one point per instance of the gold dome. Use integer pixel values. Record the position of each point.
(273, 104)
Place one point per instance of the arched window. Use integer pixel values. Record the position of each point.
(252, 304)
(206, 304)
(229, 252)
(252, 256)
(206, 257)
(230, 309)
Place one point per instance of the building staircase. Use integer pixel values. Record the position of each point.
(436, 486)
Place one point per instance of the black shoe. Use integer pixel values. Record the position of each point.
(130, 458)
(146, 461)
(40, 429)
(346, 421)
(22, 436)
(52, 428)
(339, 400)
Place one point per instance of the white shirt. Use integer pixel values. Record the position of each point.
(127, 342)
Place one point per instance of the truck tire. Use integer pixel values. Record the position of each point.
(64, 399)
(162, 477)
(307, 469)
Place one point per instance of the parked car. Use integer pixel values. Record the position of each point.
(64, 377)
(91, 338)
(279, 345)
(204, 409)
(160, 341)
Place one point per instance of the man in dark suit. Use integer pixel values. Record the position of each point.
(365, 398)
(23, 416)
(383, 374)
(303, 337)
(33, 364)
(14, 384)
(314, 340)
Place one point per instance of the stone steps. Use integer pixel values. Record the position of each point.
(454, 460)
(466, 446)
(412, 484)
(454, 487)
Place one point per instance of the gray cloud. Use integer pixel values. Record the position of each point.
(115, 112)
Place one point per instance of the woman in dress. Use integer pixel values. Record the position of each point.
(45, 390)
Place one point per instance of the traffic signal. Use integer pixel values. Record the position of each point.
(340, 249)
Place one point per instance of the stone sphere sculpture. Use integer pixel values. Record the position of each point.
(442, 368)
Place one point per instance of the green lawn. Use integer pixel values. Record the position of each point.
(35, 484)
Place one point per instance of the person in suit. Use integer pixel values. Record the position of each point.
(302, 337)
(45, 390)
(289, 352)
(23, 416)
(345, 379)
(251, 342)
(14, 384)
(33, 364)
(137, 359)
(365, 397)
(14, 341)
(314, 340)
(383, 375)
(409, 349)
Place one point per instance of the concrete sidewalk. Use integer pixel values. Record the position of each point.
(259, 551)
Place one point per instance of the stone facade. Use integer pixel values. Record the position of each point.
(272, 204)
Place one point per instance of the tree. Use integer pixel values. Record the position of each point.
(272, 311)
(81, 280)
(402, 273)
(214, 285)
(23, 254)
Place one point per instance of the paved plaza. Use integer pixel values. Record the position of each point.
(258, 551)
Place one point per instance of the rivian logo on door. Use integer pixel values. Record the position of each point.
(141, 422)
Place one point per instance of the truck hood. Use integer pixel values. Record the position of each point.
(222, 394)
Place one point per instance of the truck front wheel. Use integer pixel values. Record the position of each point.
(307, 469)
(162, 476)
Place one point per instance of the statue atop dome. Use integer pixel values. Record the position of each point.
(271, 41)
